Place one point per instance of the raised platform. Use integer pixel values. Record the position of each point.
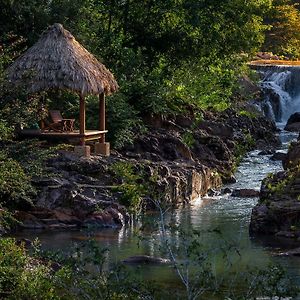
(89, 135)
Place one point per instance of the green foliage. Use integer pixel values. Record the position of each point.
(12, 262)
(166, 55)
(282, 186)
(131, 187)
(243, 147)
(248, 114)
(123, 121)
(81, 273)
(17, 107)
(188, 139)
(283, 37)
(273, 282)
(7, 220)
(6, 132)
(15, 186)
(23, 276)
(19, 163)
(135, 185)
(32, 156)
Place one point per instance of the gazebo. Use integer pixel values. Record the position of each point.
(58, 61)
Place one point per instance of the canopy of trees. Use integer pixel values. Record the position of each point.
(167, 55)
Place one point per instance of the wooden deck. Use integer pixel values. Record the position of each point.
(89, 135)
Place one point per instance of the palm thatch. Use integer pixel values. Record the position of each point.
(58, 61)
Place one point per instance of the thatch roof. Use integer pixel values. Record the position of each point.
(58, 61)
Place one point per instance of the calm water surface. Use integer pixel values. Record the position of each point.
(230, 214)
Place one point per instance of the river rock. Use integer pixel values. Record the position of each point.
(267, 56)
(145, 259)
(278, 156)
(245, 193)
(226, 191)
(26, 243)
(230, 179)
(293, 123)
(248, 87)
(292, 252)
(295, 127)
(292, 158)
(278, 209)
(266, 152)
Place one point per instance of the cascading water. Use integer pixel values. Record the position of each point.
(281, 88)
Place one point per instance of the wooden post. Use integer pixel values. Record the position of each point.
(82, 120)
(102, 116)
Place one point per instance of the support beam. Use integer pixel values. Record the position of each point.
(102, 116)
(82, 119)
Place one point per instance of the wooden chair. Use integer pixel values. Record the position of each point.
(59, 124)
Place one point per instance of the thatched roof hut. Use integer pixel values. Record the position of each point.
(58, 61)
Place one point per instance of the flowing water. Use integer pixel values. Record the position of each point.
(281, 91)
(229, 214)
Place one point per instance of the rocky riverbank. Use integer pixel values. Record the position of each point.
(180, 157)
(278, 209)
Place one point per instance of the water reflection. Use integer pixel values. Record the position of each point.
(229, 215)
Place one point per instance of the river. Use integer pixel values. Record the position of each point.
(230, 215)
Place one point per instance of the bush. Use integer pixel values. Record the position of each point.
(283, 37)
(32, 156)
(12, 262)
(24, 277)
(131, 188)
(16, 190)
(31, 277)
(6, 132)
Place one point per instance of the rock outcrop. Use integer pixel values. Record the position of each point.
(187, 158)
(292, 158)
(293, 123)
(215, 141)
(84, 193)
(278, 210)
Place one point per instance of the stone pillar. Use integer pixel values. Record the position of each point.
(82, 151)
(102, 148)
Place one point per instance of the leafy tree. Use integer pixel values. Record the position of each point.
(283, 37)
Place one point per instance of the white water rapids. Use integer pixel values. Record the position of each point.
(281, 88)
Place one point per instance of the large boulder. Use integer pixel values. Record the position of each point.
(292, 159)
(293, 123)
(278, 156)
(278, 209)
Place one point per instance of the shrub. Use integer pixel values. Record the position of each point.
(6, 132)
(12, 262)
(131, 188)
(32, 156)
(15, 188)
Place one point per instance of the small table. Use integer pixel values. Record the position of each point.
(68, 124)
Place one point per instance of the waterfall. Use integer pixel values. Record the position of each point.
(281, 91)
